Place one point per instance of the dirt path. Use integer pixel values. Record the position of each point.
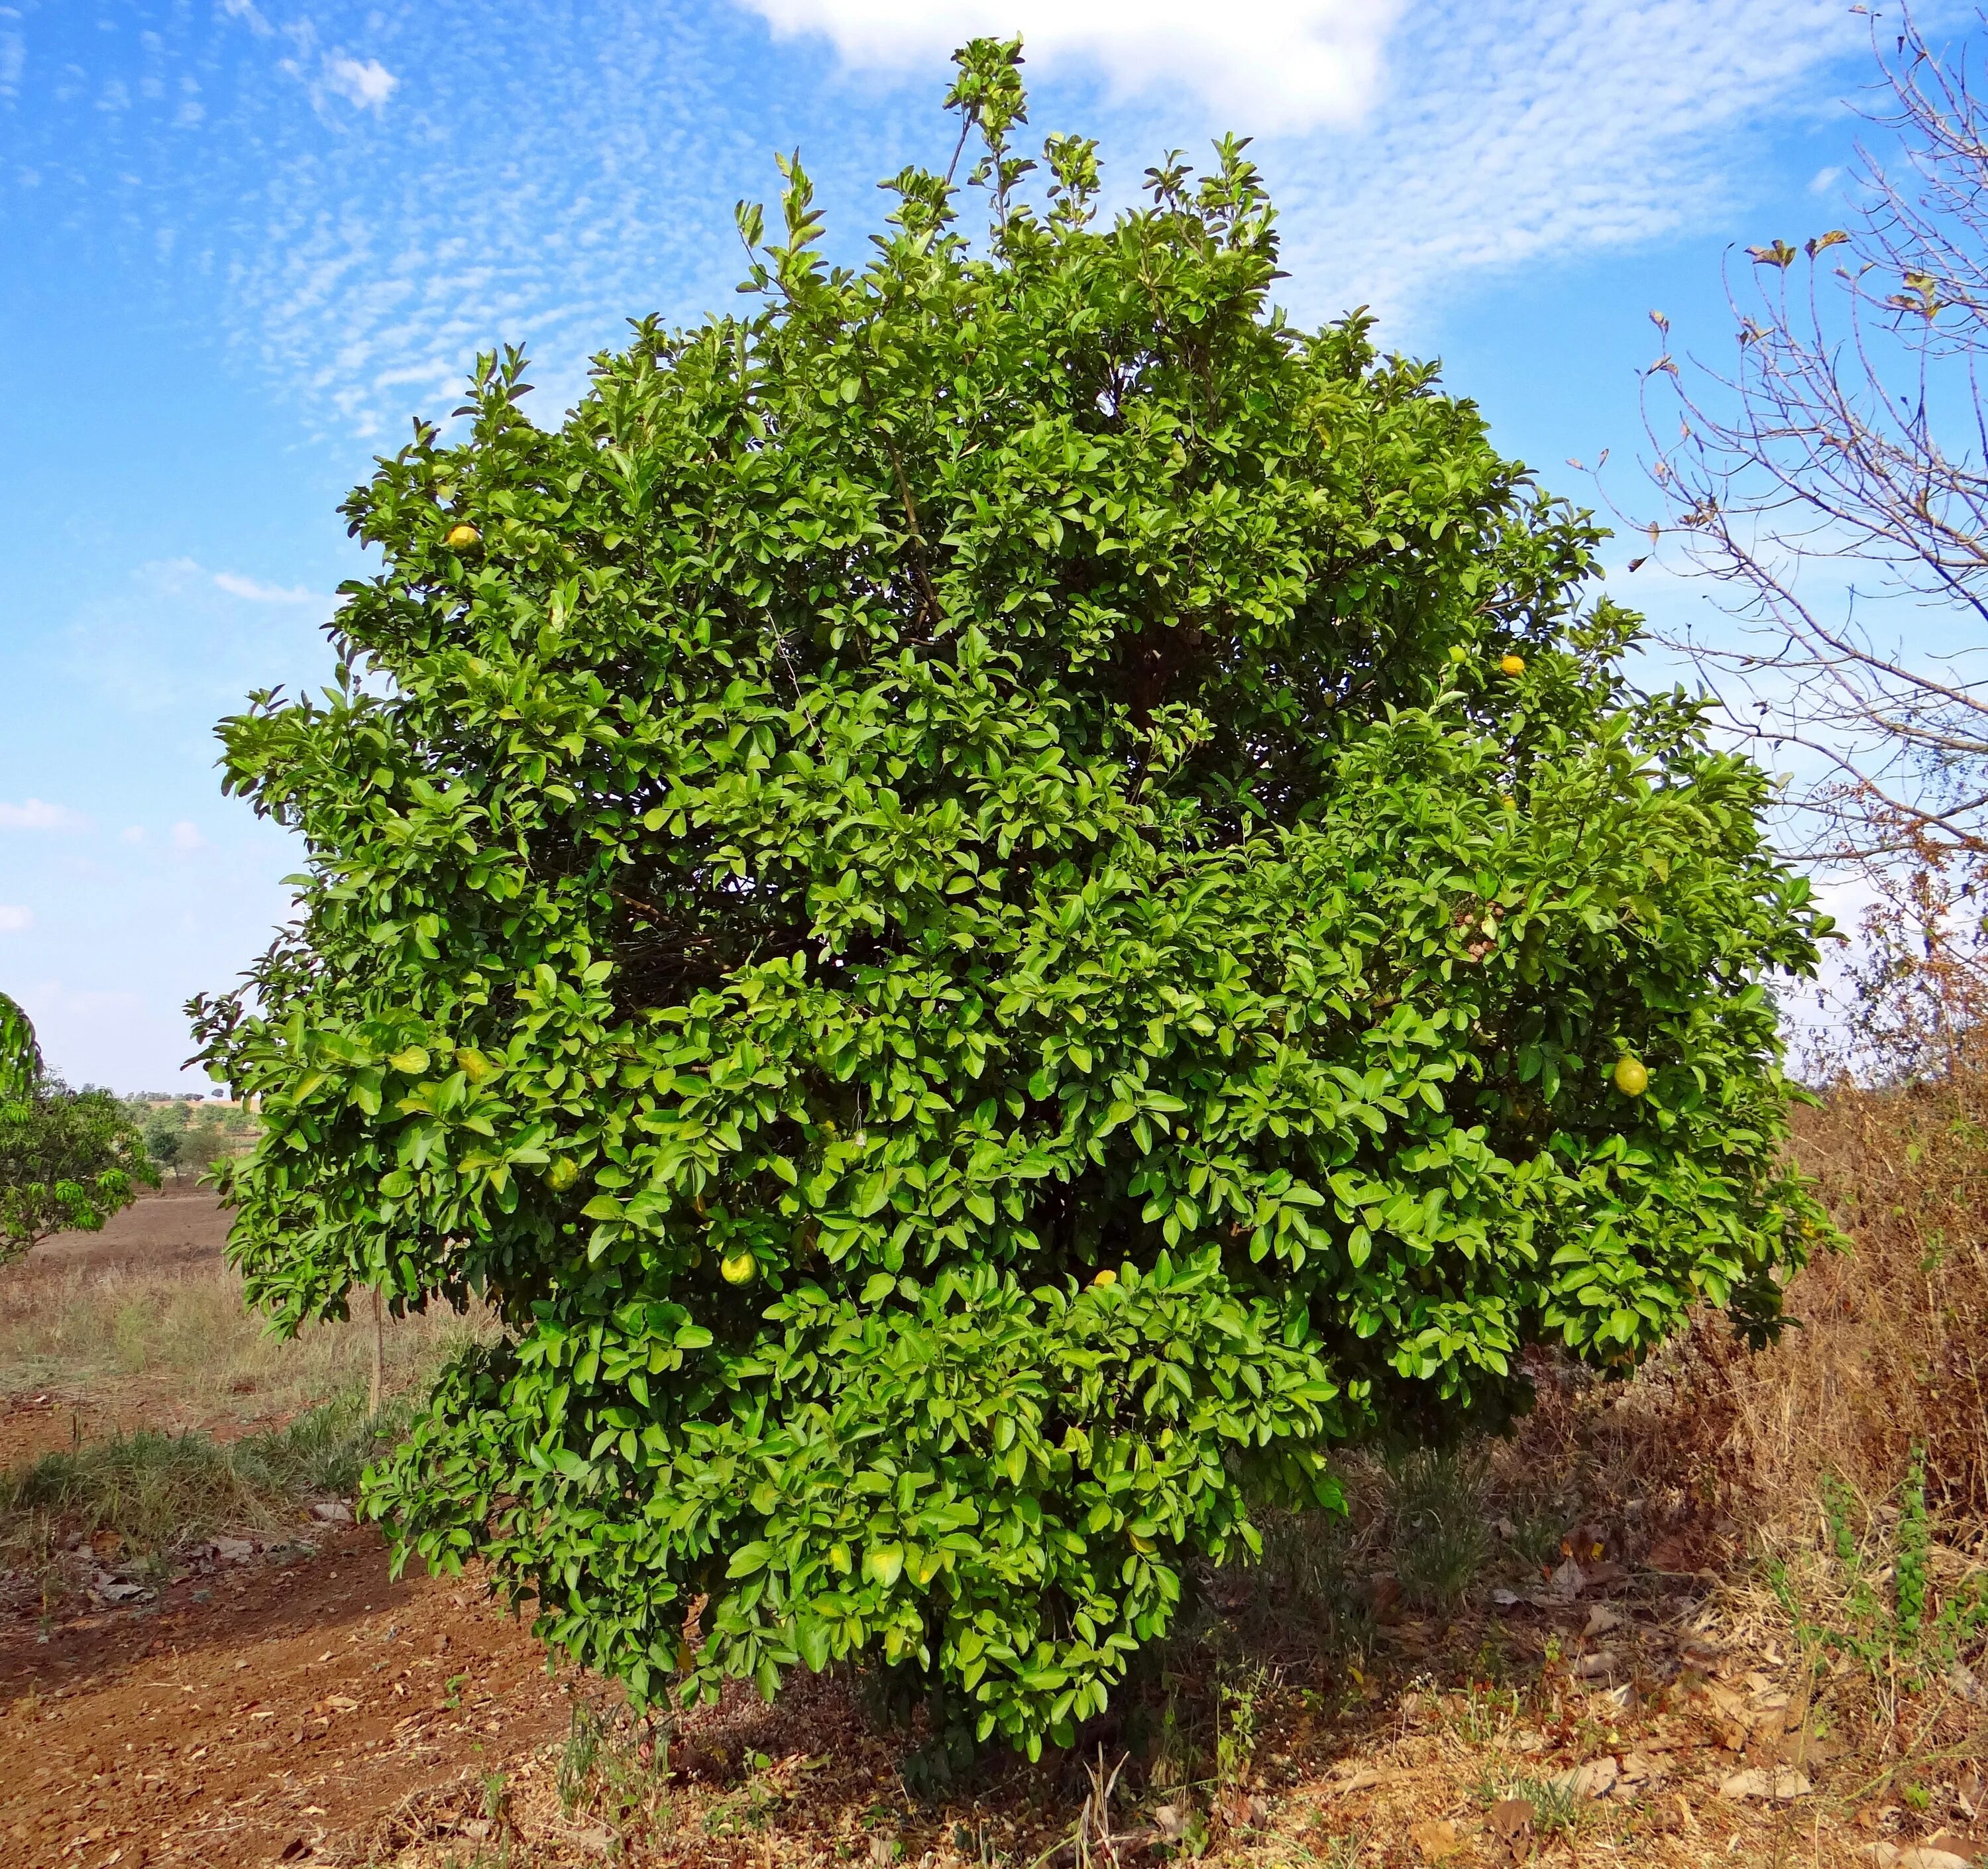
(274, 1713)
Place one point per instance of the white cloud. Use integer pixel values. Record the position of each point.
(257, 592)
(1825, 179)
(245, 12)
(367, 85)
(581, 167)
(1518, 135)
(36, 814)
(132, 833)
(186, 836)
(13, 919)
(1276, 64)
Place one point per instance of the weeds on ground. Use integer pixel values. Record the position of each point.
(1435, 1501)
(1872, 1598)
(160, 1491)
(1311, 1604)
(1556, 1808)
(614, 1767)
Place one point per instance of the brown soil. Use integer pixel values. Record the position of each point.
(259, 1716)
(175, 1226)
(183, 1227)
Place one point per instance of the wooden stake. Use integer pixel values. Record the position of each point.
(379, 1356)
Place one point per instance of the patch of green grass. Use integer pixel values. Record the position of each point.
(160, 1491)
(1555, 1808)
(1435, 1507)
(1310, 1588)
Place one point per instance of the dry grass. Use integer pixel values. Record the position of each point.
(176, 1343)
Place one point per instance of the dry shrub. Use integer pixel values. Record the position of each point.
(1711, 1445)
(1895, 1346)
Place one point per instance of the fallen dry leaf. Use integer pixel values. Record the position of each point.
(1362, 1781)
(344, 1703)
(1594, 1779)
(1780, 1786)
(1438, 1841)
(1511, 1820)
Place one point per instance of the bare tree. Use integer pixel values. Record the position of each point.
(1835, 477)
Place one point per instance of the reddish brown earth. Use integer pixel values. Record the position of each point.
(176, 1226)
(176, 1229)
(273, 1712)
(272, 1709)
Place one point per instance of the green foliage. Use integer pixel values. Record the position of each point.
(946, 898)
(20, 1057)
(181, 1135)
(69, 1160)
(163, 1139)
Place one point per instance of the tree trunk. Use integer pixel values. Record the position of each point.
(379, 1356)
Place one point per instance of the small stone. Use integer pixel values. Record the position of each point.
(331, 1511)
(1590, 1668)
(1926, 1856)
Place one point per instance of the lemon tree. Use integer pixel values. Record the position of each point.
(994, 902)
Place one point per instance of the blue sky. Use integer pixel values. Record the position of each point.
(241, 243)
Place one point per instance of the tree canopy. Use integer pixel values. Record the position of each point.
(68, 1160)
(993, 902)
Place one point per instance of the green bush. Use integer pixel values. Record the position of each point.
(994, 903)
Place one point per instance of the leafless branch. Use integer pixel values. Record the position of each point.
(1833, 479)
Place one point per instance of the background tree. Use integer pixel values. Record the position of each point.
(201, 1144)
(69, 1160)
(992, 904)
(163, 1139)
(1833, 479)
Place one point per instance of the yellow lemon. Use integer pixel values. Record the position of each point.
(1630, 1078)
(1512, 664)
(563, 1173)
(739, 1268)
(1107, 1276)
(1508, 801)
(461, 536)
